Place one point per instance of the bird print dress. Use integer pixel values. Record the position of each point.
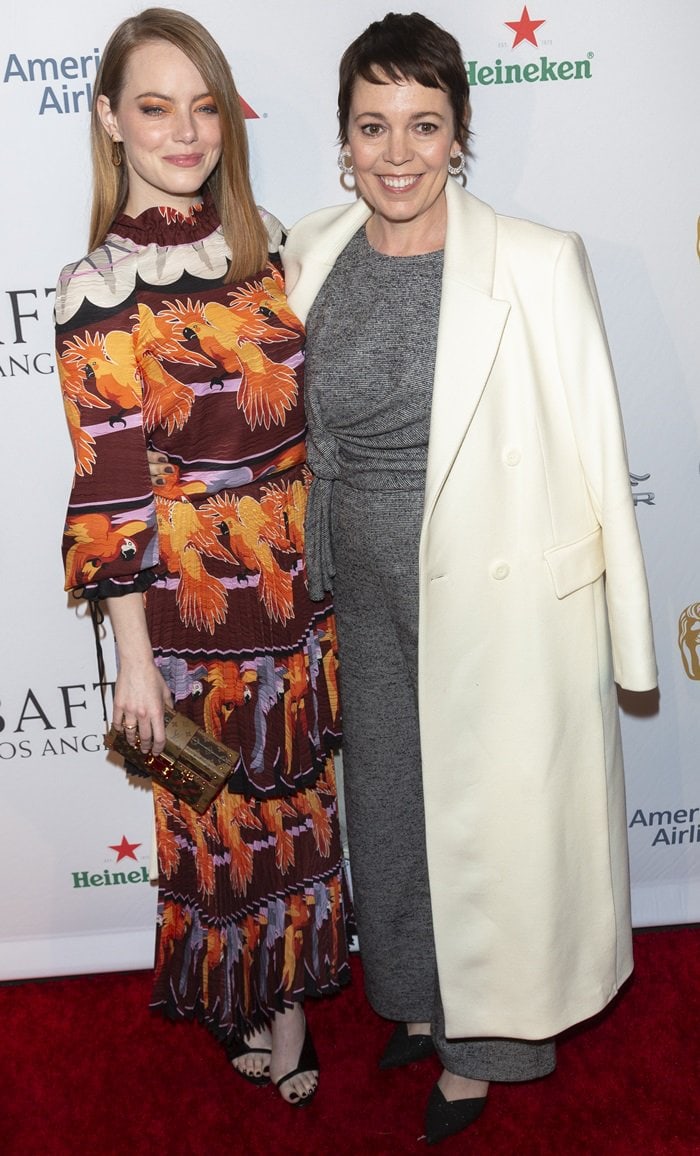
(154, 350)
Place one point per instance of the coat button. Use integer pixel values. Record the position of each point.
(511, 456)
(499, 570)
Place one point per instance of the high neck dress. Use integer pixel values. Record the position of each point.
(155, 350)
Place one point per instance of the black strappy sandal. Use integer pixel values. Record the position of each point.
(308, 1062)
(235, 1051)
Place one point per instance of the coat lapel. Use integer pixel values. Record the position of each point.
(471, 321)
(312, 250)
(469, 334)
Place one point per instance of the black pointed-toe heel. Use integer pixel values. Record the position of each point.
(308, 1062)
(445, 1118)
(403, 1049)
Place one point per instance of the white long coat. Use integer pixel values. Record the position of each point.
(533, 602)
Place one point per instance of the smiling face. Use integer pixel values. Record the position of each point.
(169, 126)
(400, 137)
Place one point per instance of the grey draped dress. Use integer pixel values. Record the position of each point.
(371, 345)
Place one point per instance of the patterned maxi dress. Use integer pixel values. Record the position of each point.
(154, 350)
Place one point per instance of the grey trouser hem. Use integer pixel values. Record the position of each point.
(498, 1060)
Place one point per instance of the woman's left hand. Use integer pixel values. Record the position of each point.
(158, 467)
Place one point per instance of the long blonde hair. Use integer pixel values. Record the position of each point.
(229, 183)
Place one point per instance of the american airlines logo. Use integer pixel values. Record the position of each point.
(65, 83)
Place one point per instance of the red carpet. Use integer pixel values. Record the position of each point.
(86, 1069)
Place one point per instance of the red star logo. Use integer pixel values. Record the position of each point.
(125, 849)
(248, 112)
(524, 28)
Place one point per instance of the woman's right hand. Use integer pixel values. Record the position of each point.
(140, 693)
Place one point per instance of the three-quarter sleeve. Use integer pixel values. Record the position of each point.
(110, 541)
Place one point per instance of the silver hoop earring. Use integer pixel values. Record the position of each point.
(345, 164)
(456, 165)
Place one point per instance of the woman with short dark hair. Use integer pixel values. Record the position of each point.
(472, 513)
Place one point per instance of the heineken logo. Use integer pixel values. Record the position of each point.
(542, 70)
(125, 849)
(110, 878)
(524, 28)
(532, 73)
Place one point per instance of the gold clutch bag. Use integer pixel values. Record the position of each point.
(193, 765)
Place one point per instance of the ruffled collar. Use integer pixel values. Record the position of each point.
(164, 226)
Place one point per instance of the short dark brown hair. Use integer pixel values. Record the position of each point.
(405, 48)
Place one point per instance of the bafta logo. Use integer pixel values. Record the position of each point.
(689, 640)
(639, 496)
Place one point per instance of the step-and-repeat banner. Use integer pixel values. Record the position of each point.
(585, 117)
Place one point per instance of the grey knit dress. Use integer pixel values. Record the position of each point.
(371, 345)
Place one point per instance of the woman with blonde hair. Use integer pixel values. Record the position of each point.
(174, 334)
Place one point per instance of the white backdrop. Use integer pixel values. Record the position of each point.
(595, 130)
